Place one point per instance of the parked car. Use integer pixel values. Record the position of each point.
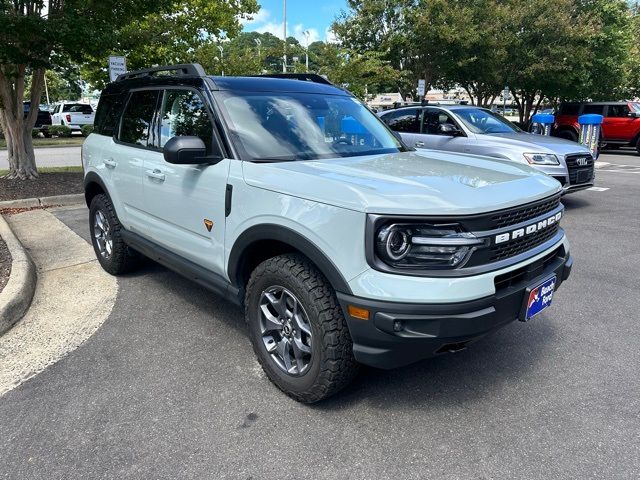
(72, 114)
(42, 122)
(293, 200)
(620, 127)
(468, 129)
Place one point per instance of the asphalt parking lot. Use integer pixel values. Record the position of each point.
(168, 387)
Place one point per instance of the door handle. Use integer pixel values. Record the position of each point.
(419, 144)
(110, 162)
(156, 175)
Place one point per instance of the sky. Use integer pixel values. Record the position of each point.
(315, 16)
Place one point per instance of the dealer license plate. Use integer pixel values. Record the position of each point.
(539, 298)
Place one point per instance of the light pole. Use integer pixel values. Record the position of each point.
(221, 48)
(284, 27)
(306, 36)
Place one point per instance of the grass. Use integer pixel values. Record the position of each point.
(51, 170)
(47, 142)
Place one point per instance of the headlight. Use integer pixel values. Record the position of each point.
(426, 246)
(541, 158)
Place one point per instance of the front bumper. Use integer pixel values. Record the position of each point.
(398, 334)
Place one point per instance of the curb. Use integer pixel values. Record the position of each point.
(58, 201)
(16, 297)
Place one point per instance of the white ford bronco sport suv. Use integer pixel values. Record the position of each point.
(289, 197)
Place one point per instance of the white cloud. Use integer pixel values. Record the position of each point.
(330, 36)
(263, 23)
(297, 32)
(257, 18)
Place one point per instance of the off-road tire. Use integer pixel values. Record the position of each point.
(122, 259)
(332, 366)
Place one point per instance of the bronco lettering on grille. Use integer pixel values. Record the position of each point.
(529, 229)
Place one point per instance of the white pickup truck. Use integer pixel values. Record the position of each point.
(72, 114)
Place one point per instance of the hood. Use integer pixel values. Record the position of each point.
(527, 142)
(410, 183)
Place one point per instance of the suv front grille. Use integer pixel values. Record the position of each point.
(516, 247)
(517, 215)
(580, 173)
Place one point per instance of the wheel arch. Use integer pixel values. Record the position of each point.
(93, 185)
(261, 242)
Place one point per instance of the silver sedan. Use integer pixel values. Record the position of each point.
(478, 131)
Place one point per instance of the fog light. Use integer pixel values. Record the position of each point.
(397, 326)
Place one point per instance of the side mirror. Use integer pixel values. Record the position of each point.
(449, 129)
(187, 151)
(634, 114)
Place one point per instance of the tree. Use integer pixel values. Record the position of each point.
(547, 50)
(33, 35)
(385, 28)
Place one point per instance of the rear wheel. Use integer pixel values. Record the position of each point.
(638, 146)
(298, 330)
(106, 237)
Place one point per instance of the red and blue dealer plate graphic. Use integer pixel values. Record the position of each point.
(540, 298)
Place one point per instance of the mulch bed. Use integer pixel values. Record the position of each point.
(46, 185)
(5, 264)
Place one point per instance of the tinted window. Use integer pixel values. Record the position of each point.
(184, 114)
(618, 111)
(137, 118)
(569, 109)
(591, 108)
(480, 120)
(405, 120)
(77, 108)
(108, 114)
(432, 120)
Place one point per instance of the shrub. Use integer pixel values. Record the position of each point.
(60, 131)
(35, 133)
(87, 130)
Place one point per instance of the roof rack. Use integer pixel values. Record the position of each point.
(306, 77)
(428, 102)
(187, 69)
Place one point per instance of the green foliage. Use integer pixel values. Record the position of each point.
(176, 32)
(35, 132)
(86, 130)
(61, 131)
(572, 49)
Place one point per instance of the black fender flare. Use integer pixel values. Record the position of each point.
(93, 177)
(289, 237)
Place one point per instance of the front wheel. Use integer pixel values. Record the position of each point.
(298, 330)
(113, 254)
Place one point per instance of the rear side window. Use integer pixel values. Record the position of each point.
(108, 114)
(405, 120)
(184, 114)
(591, 108)
(138, 117)
(569, 109)
(618, 111)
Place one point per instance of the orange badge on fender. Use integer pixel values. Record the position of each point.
(208, 223)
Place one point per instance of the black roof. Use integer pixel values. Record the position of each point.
(295, 83)
(271, 84)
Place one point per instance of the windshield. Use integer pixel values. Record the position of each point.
(479, 120)
(304, 126)
(635, 106)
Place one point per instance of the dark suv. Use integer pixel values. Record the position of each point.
(43, 122)
(621, 126)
